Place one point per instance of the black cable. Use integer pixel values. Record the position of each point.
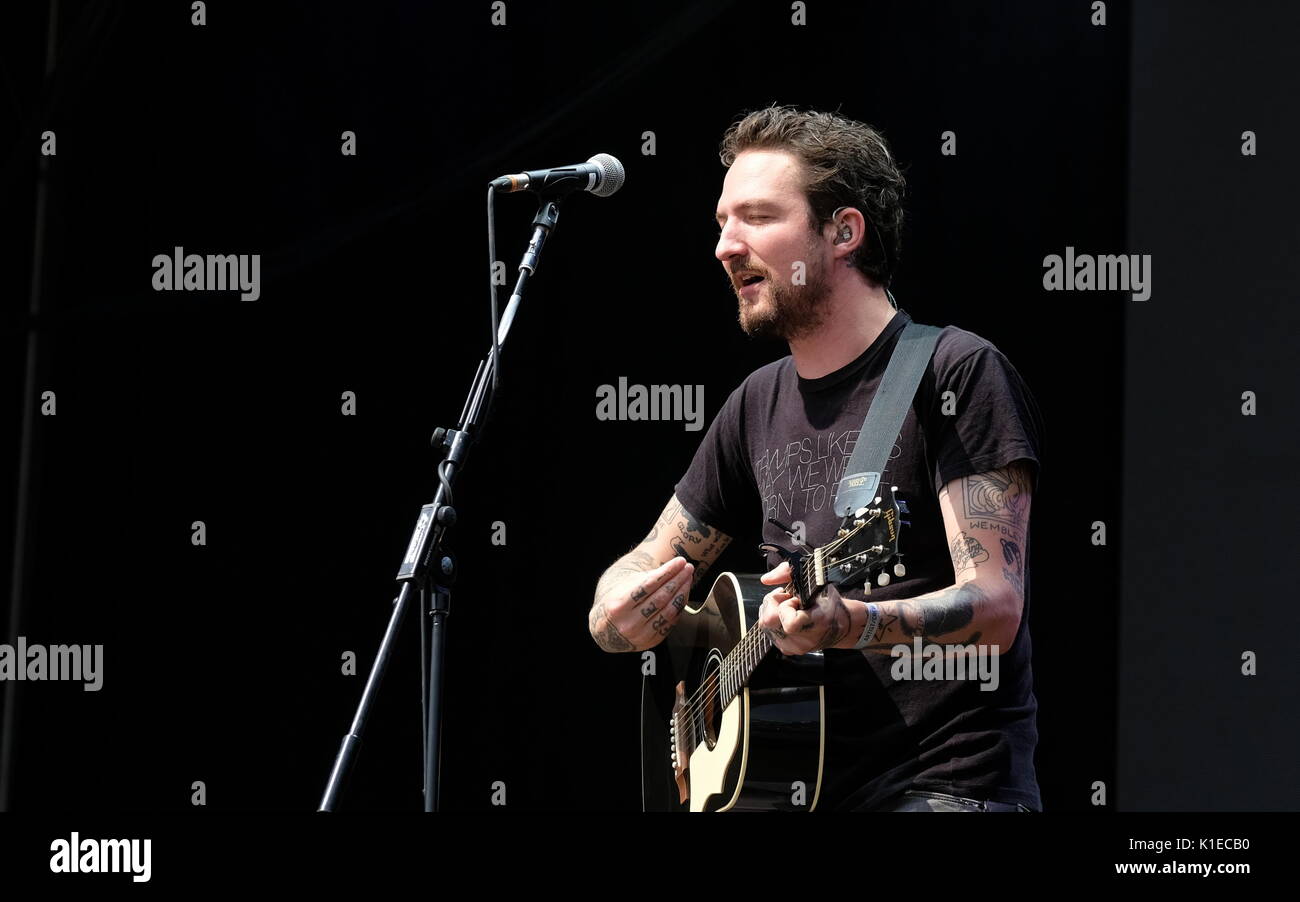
(492, 285)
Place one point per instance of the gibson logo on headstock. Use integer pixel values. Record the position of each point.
(889, 521)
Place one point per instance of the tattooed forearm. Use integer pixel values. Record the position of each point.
(681, 551)
(689, 538)
(931, 616)
(839, 626)
(699, 543)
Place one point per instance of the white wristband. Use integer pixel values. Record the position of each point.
(873, 621)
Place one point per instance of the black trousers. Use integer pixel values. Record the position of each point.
(924, 800)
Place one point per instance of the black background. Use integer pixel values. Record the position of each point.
(222, 662)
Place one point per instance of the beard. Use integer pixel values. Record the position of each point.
(787, 311)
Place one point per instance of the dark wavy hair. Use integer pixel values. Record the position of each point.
(845, 164)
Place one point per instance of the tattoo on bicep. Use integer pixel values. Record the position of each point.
(667, 516)
(1012, 556)
(691, 531)
(1014, 571)
(1000, 495)
(966, 552)
(698, 527)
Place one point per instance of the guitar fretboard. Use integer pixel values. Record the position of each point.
(738, 666)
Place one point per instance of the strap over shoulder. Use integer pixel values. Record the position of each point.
(907, 364)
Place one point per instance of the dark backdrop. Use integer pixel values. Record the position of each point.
(1211, 494)
(222, 663)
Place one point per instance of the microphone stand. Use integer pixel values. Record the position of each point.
(429, 568)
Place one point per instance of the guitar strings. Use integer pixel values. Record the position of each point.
(694, 708)
(694, 704)
(698, 698)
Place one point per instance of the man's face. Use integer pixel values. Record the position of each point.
(764, 217)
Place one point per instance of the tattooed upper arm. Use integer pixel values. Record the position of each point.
(677, 533)
(986, 517)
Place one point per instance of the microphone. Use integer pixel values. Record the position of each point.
(602, 175)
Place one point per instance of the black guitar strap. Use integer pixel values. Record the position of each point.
(857, 489)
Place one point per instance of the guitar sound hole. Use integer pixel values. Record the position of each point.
(711, 702)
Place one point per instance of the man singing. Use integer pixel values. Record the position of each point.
(810, 221)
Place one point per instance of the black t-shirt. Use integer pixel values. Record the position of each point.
(778, 448)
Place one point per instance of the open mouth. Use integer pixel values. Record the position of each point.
(750, 280)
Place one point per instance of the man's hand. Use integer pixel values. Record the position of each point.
(797, 629)
(638, 610)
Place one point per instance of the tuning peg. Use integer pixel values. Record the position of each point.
(882, 579)
(899, 570)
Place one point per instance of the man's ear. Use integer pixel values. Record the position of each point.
(847, 228)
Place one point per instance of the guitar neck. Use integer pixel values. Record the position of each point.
(739, 665)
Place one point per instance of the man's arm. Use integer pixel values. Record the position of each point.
(629, 613)
(986, 517)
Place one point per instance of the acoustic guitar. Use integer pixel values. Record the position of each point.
(728, 723)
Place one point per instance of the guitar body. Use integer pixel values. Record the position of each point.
(747, 754)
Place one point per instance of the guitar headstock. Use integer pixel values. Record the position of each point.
(865, 549)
